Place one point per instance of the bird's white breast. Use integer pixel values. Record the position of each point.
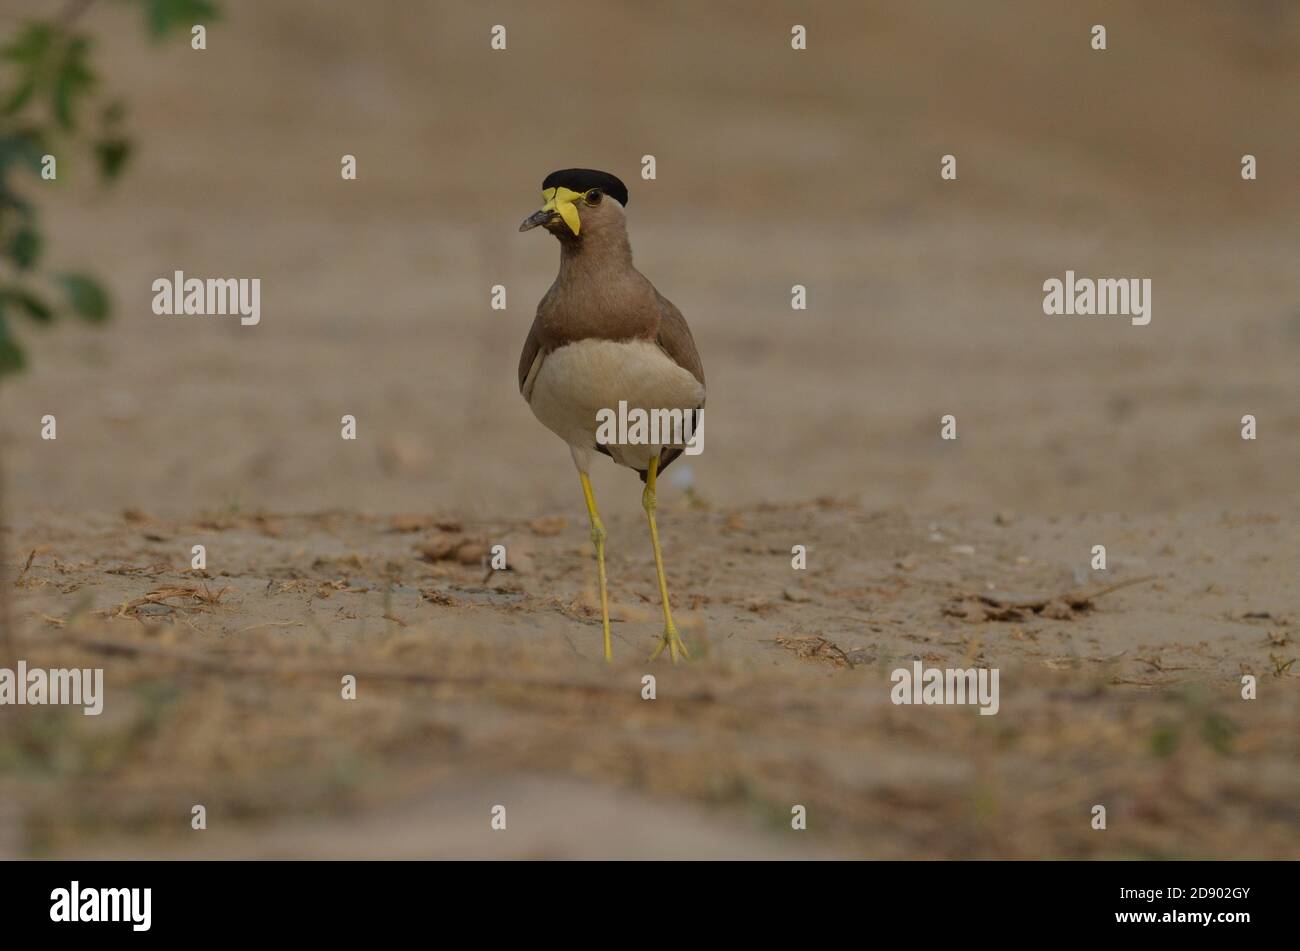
(578, 380)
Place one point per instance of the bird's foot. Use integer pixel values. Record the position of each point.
(673, 641)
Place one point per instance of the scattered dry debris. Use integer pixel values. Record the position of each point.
(353, 561)
(1281, 665)
(978, 608)
(547, 525)
(1263, 617)
(194, 596)
(815, 647)
(519, 554)
(465, 551)
(1126, 681)
(147, 570)
(422, 523)
(269, 526)
(325, 588)
(1155, 663)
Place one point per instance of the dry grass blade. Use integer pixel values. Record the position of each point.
(193, 595)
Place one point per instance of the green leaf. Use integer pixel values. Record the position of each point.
(19, 97)
(9, 200)
(25, 146)
(36, 308)
(25, 248)
(72, 80)
(111, 155)
(31, 45)
(87, 297)
(29, 52)
(12, 358)
(166, 15)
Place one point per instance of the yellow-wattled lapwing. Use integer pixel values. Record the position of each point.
(605, 341)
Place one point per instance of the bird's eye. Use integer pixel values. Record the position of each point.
(592, 197)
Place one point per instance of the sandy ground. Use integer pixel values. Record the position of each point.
(479, 688)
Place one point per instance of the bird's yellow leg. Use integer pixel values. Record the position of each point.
(671, 639)
(598, 539)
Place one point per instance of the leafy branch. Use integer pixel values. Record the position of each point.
(51, 108)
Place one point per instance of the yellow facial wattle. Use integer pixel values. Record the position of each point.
(561, 201)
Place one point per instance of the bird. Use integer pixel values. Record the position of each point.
(604, 340)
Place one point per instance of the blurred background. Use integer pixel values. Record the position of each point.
(774, 168)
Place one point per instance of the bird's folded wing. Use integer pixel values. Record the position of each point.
(530, 361)
(675, 339)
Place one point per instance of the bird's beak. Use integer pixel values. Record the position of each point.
(535, 219)
(559, 203)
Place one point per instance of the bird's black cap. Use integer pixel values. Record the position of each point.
(581, 179)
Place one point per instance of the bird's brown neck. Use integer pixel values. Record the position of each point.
(598, 293)
(605, 252)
